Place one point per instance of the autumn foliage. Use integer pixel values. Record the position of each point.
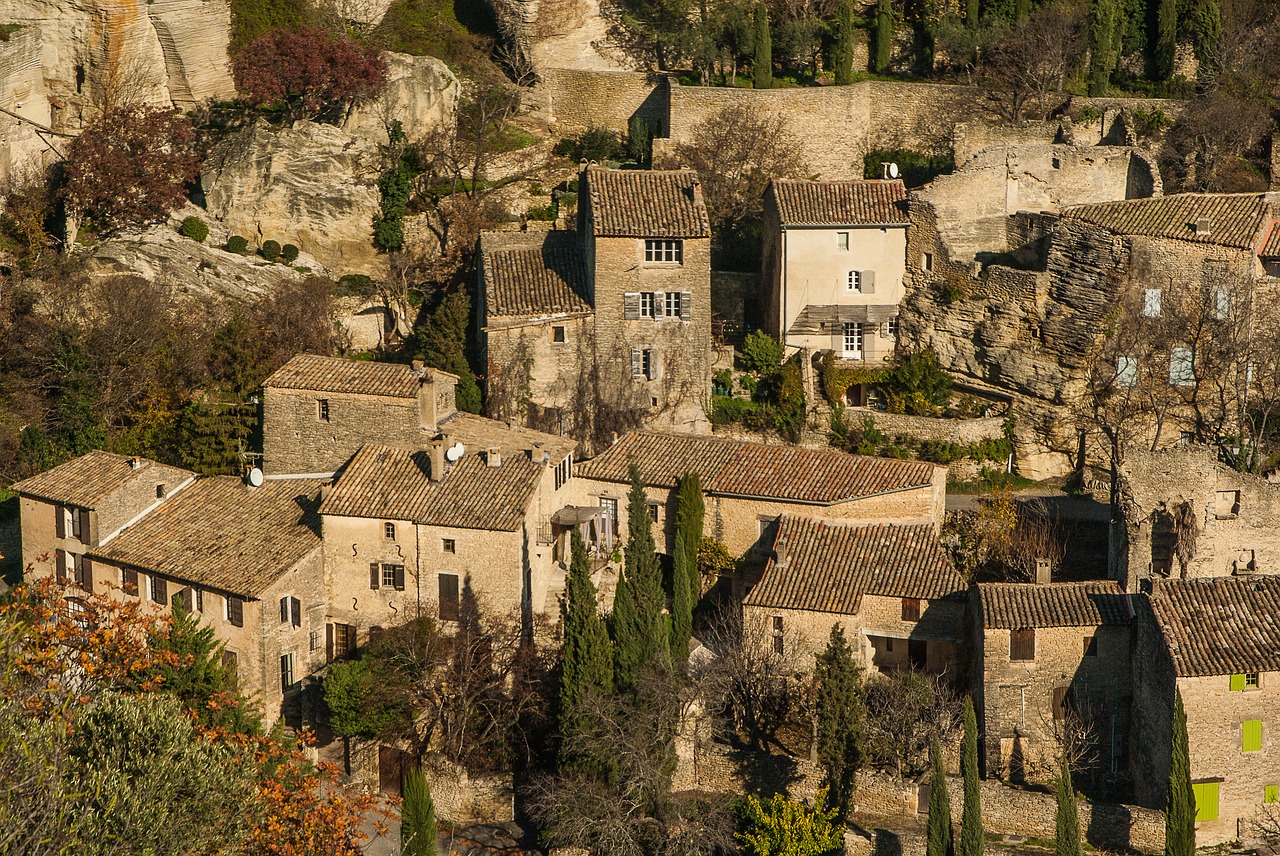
(309, 71)
(129, 168)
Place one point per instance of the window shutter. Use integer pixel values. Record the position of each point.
(1237, 683)
(631, 306)
(655, 364)
(161, 590)
(284, 609)
(1206, 796)
(399, 577)
(295, 608)
(659, 305)
(637, 367)
(235, 611)
(374, 575)
(60, 565)
(60, 524)
(129, 580)
(328, 643)
(186, 597)
(686, 304)
(1251, 735)
(84, 526)
(868, 282)
(86, 573)
(1060, 703)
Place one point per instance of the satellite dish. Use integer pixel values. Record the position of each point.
(893, 170)
(255, 477)
(454, 452)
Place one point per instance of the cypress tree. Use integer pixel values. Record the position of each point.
(842, 53)
(939, 841)
(1066, 841)
(762, 64)
(639, 626)
(1104, 32)
(587, 663)
(1166, 40)
(971, 820)
(685, 583)
(1207, 23)
(200, 680)
(883, 36)
(417, 817)
(1180, 808)
(971, 13)
(841, 711)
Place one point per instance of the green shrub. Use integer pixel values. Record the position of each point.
(195, 229)
(270, 250)
(761, 353)
(542, 212)
(238, 244)
(289, 252)
(354, 285)
(598, 144)
(914, 168)
(918, 385)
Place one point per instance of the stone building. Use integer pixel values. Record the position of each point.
(71, 509)
(890, 587)
(607, 327)
(1052, 674)
(833, 263)
(1181, 513)
(750, 486)
(1216, 642)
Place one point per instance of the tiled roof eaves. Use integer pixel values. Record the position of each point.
(820, 503)
(862, 224)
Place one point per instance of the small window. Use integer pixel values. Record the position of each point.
(911, 609)
(777, 624)
(646, 304)
(286, 672)
(322, 409)
(449, 545)
(673, 304)
(1022, 644)
(564, 471)
(159, 590)
(1244, 681)
(891, 328)
(1061, 701)
(313, 640)
(291, 611)
(1271, 794)
(235, 611)
(1091, 646)
(448, 597)
(1251, 735)
(557, 334)
(1126, 370)
(159, 491)
(389, 531)
(854, 281)
(661, 251)
(199, 600)
(653, 512)
(1182, 371)
(1221, 304)
(128, 581)
(1151, 302)
(1186, 438)
(926, 262)
(842, 240)
(778, 644)
(393, 577)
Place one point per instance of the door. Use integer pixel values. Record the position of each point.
(392, 764)
(852, 341)
(917, 653)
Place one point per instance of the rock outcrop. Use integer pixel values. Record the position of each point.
(312, 185)
(422, 93)
(23, 146)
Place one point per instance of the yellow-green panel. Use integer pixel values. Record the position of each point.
(1251, 735)
(1206, 794)
(1271, 794)
(1237, 682)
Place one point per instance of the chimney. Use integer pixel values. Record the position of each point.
(436, 448)
(1202, 227)
(418, 366)
(697, 193)
(780, 553)
(1044, 572)
(494, 457)
(135, 463)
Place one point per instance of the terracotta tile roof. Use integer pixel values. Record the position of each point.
(479, 434)
(542, 275)
(1219, 625)
(223, 534)
(861, 202)
(831, 565)
(1235, 219)
(1271, 243)
(89, 479)
(647, 203)
(395, 484)
(736, 468)
(335, 374)
(1012, 606)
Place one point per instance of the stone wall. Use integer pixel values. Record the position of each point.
(576, 100)
(459, 798)
(961, 431)
(297, 440)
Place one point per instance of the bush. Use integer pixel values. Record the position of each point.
(914, 168)
(918, 385)
(598, 144)
(354, 285)
(238, 244)
(289, 253)
(195, 229)
(311, 72)
(761, 353)
(270, 250)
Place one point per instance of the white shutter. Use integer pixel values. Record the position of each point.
(868, 282)
(637, 363)
(686, 305)
(631, 306)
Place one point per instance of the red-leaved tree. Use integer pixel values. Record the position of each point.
(129, 168)
(314, 74)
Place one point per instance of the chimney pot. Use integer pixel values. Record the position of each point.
(436, 448)
(1044, 571)
(780, 553)
(494, 457)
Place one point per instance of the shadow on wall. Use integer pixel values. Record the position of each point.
(765, 773)
(885, 843)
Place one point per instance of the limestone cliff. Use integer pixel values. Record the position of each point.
(312, 185)
(422, 93)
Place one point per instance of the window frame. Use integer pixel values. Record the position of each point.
(449, 546)
(911, 609)
(1022, 644)
(670, 298)
(647, 304)
(451, 606)
(852, 331)
(842, 241)
(157, 589)
(664, 251)
(322, 410)
(853, 282)
(287, 682)
(388, 530)
(1152, 300)
(558, 335)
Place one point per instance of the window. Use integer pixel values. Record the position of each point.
(1251, 735)
(663, 251)
(842, 240)
(77, 524)
(767, 526)
(557, 334)
(199, 600)
(159, 491)
(286, 672)
(322, 409)
(1206, 796)
(291, 611)
(646, 304)
(448, 584)
(911, 609)
(645, 363)
(1022, 644)
(340, 641)
(1271, 794)
(777, 635)
(891, 328)
(1244, 681)
(392, 577)
(449, 545)
(609, 506)
(1182, 370)
(159, 590)
(926, 262)
(653, 512)
(1126, 371)
(313, 640)
(389, 531)
(1057, 163)
(1061, 697)
(84, 572)
(1186, 438)
(235, 611)
(852, 341)
(128, 581)
(1091, 646)
(1221, 304)
(564, 471)
(1151, 303)
(854, 282)
(186, 597)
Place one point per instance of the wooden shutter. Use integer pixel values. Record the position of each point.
(375, 574)
(60, 521)
(295, 611)
(1237, 683)
(85, 534)
(1251, 735)
(399, 577)
(1022, 644)
(868, 282)
(328, 643)
(235, 611)
(911, 609)
(160, 590)
(60, 565)
(631, 306)
(1206, 796)
(284, 609)
(129, 580)
(1060, 703)
(637, 363)
(86, 573)
(686, 305)
(448, 597)
(188, 599)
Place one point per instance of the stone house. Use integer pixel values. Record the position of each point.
(889, 586)
(247, 561)
(834, 258)
(1052, 673)
(1179, 512)
(1216, 642)
(750, 486)
(71, 509)
(606, 327)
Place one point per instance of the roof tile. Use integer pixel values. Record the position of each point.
(1235, 219)
(91, 478)
(858, 202)
(542, 276)
(1219, 625)
(647, 203)
(338, 375)
(1013, 606)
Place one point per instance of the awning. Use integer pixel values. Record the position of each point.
(572, 515)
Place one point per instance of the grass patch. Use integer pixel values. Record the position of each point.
(7, 30)
(988, 480)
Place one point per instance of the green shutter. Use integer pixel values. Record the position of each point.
(1237, 683)
(1271, 794)
(1251, 735)
(1206, 794)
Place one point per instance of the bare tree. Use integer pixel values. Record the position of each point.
(1025, 64)
(905, 711)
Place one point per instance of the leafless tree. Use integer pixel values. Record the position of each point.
(1025, 64)
(905, 710)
